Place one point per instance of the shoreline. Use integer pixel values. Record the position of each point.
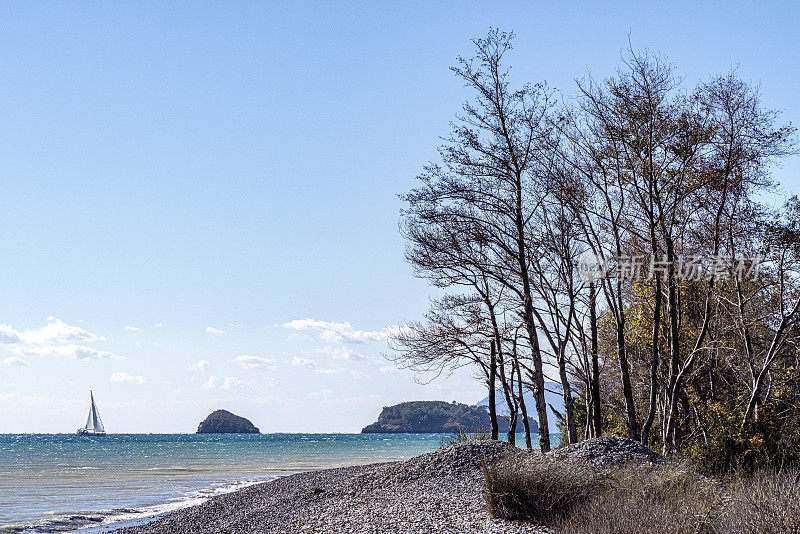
(107, 520)
(134, 475)
(437, 492)
(141, 515)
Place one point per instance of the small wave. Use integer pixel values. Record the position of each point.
(174, 469)
(101, 521)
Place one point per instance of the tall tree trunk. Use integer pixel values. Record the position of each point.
(525, 423)
(492, 386)
(566, 393)
(527, 317)
(538, 379)
(512, 427)
(654, 357)
(627, 389)
(673, 386)
(597, 417)
(589, 426)
(508, 392)
(508, 387)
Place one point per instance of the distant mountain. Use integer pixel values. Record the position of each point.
(224, 422)
(552, 398)
(433, 417)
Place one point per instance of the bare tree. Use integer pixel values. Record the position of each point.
(642, 174)
(488, 185)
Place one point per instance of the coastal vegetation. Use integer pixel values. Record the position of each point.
(640, 498)
(624, 238)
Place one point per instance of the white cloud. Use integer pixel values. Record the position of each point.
(56, 338)
(345, 353)
(158, 325)
(130, 328)
(304, 362)
(57, 331)
(248, 362)
(358, 375)
(329, 371)
(214, 331)
(231, 382)
(338, 332)
(211, 383)
(388, 369)
(321, 394)
(8, 335)
(200, 367)
(14, 362)
(119, 376)
(73, 352)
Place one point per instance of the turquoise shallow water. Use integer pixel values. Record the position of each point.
(60, 482)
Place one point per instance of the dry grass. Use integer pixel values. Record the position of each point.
(574, 499)
(768, 503)
(536, 489)
(656, 500)
(461, 436)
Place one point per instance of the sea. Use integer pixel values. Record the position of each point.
(64, 482)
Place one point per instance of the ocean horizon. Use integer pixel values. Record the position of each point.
(64, 482)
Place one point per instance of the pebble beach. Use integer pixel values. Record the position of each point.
(438, 492)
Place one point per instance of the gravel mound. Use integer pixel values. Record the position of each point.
(608, 451)
(463, 457)
(439, 492)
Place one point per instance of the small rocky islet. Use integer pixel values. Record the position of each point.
(441, 492)
(224, 422)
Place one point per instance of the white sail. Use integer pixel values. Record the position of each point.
(94, 425)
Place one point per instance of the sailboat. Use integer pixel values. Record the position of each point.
(94, 425)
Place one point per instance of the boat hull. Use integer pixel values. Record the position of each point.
(84, 432)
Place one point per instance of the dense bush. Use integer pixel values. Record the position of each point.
(577, 499)
(541, 490)
(767, 444)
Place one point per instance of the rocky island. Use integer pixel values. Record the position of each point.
(224, 422)
(436, 417)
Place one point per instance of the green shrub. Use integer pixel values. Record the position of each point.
(764, 445)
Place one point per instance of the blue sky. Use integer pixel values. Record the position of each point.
(218, 183)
